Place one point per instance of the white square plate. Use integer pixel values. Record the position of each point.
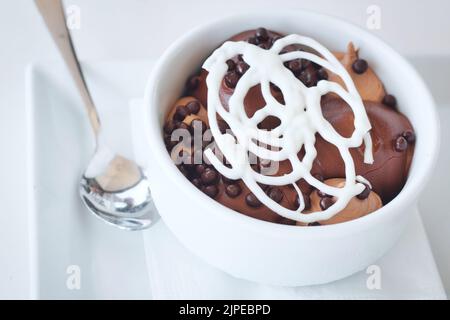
(112, 262)
(64, 233)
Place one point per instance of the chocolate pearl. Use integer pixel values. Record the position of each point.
(275, 39)
(233, 190)
(322, 74)
(188, 163)
(252, 200)
(314, 224)
(295, 65)
(180, 113)
(400, 144)
(307, 200)
(169, 126)
(275, 194)
(223, 126)
(209, 176)
(197, 182)
(242, 67)
(192, 83)
(169, 142)
(231, 65)
(360, 66)
(326, 202)
(228, 180)
(306, 78)
(200, 168)
(390, 100)
(262, 34)
(305, 63)
(253, 40)
(211, 191)
(409, 135)
(365, 193)
(193, 106)
(263, 186)
(183, 170)
(231, 79)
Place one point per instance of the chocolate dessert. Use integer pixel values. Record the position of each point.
(366, 141)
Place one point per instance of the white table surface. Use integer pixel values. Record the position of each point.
(119, 29)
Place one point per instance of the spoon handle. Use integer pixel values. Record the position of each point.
(53, 13)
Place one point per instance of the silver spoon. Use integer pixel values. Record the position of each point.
(120, 195)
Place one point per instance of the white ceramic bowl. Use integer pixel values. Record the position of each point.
(261, 251)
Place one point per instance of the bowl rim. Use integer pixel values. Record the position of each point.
(394, 207)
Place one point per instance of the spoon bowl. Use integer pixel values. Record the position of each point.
(130, 208)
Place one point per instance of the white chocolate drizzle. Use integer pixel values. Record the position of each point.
(301, 118)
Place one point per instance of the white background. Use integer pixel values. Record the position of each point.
(128, 29)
